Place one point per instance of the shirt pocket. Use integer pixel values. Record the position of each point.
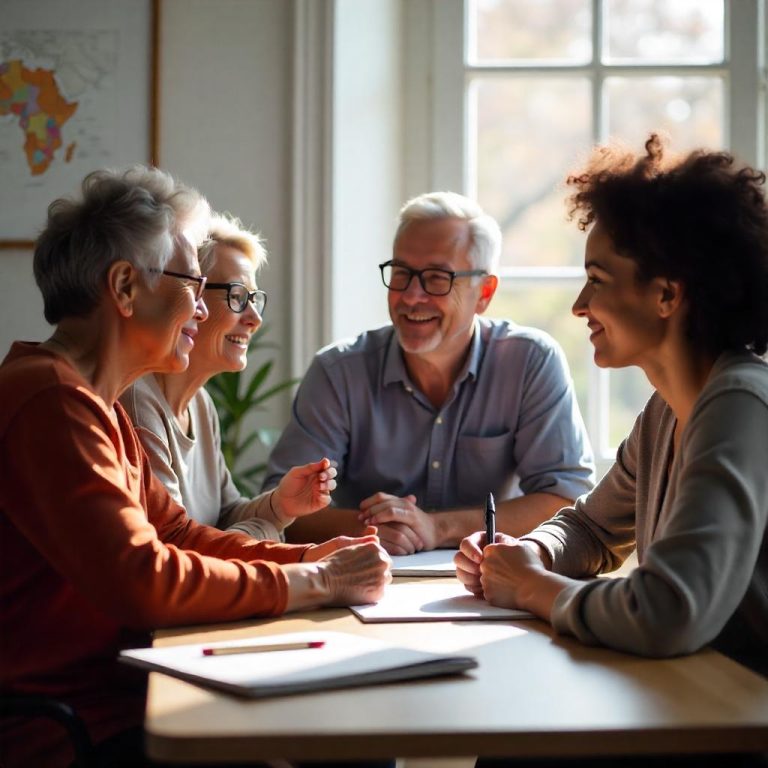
(485, 464)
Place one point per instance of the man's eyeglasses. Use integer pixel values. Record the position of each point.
(238, 297)
(200, 280)
(434, 281)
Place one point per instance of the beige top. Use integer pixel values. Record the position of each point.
(700, 529)
(192, 465)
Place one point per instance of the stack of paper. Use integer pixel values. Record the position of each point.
(343, 661)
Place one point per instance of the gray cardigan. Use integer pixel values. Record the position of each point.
(699, 529)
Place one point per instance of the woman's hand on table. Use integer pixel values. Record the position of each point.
(345, 570)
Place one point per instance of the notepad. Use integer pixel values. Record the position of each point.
(433, 602)
(433, 562)
(344, 661)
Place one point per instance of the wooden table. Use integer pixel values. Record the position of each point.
(534, 693)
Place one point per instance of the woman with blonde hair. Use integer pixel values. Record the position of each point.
(175, 417)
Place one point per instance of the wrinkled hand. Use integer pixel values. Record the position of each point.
(507, 571)
(403, 527)
(356, 571)
(305, 489)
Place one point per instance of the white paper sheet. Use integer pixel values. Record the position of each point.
(434, 562)
(433, 602)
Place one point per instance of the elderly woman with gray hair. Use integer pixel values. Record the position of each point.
(177, 422)
(94, 552)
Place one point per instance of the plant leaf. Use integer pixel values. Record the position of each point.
(275, 390)
(258, 379)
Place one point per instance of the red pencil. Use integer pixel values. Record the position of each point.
(226, 650)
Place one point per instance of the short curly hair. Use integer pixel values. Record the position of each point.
(701, 219)
(131, 215)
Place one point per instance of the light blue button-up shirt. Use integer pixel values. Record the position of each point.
(511, 418)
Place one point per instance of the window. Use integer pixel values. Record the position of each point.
(523, 87)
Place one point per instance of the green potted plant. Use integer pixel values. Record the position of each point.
(236, 396)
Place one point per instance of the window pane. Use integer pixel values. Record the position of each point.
(532, 30)
(528, 132)
(549, 307)
(690, 109)
(630, 390)
(663, 31)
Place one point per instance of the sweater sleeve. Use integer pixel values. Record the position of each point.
(598, 533)
(101, 519)
(705, 551)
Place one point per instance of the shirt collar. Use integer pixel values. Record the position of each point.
(394, 364)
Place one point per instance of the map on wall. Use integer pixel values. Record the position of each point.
(67, 107)
(57, 89)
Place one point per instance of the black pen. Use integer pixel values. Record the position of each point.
(490, 519)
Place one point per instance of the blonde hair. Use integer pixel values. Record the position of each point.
(228, 230)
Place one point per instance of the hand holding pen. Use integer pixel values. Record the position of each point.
(471, 551)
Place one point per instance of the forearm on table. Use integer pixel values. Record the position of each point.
(306, 586)
(539, 592)
(513, 516)
(325, 524)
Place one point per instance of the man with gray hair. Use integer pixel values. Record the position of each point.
(425, 416)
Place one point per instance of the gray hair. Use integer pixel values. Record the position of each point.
(132, 215)
(226, 229)
(485, 235)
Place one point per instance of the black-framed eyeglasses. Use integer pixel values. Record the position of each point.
(238, 296)
(199, 280)
(434, 281)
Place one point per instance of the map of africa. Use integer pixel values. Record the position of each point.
(71, 101)
(33, 95)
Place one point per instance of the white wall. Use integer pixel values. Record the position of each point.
(368, 160)
(225, 118)
(21, 308)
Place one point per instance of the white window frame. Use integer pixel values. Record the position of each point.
(745, 85)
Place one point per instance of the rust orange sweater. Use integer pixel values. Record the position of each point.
(94, 554)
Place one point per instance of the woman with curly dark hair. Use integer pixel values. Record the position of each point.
(677, 284)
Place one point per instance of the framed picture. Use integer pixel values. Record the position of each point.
(78, 91)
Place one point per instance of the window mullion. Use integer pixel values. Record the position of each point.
(599, 125)
(598, 391)
(449, 168)
(742, 121)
